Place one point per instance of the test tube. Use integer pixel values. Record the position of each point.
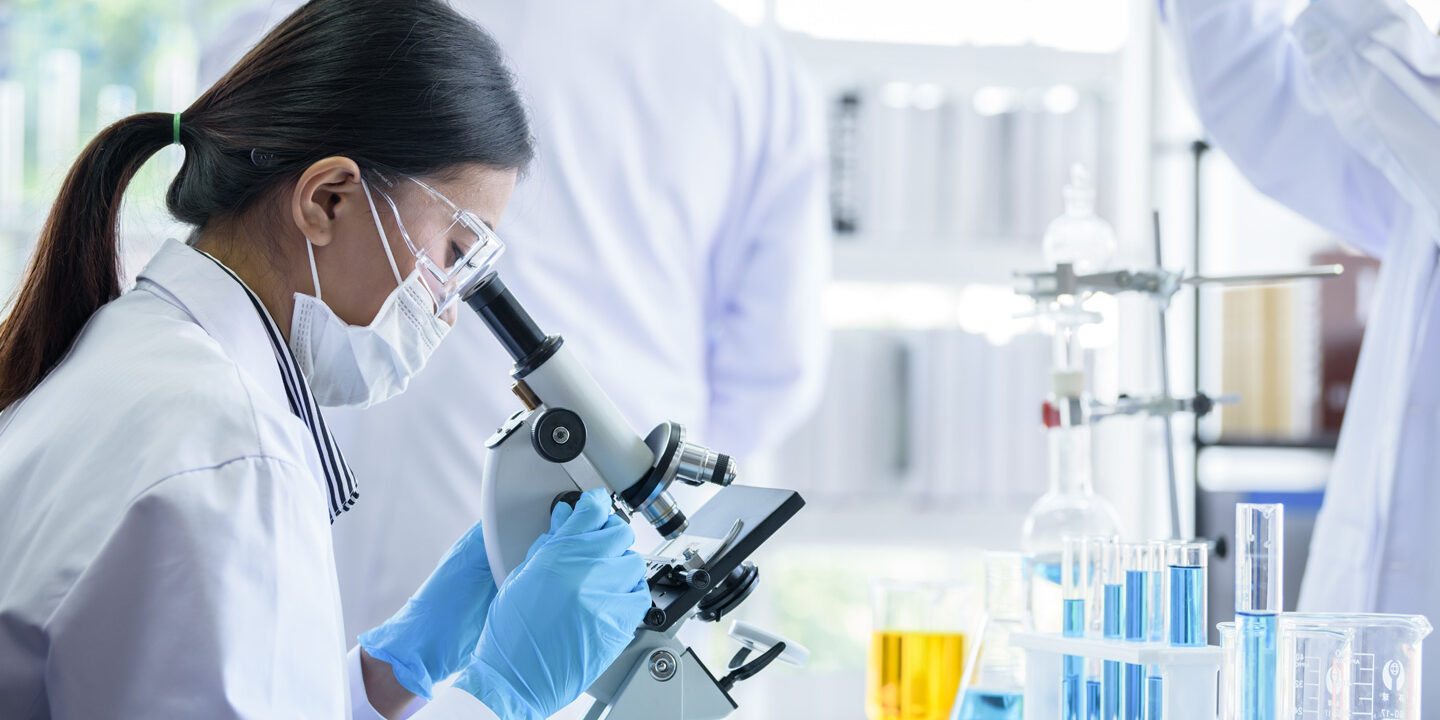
(1137, 561)
(1092, 699)
(1113, 579)
(1074, 571)
(1259, 577)
(1154, 696)
(1095, 585)
(1156, 595)
(1074, 580)
(1157, 608)
(1186, 578)
(1229, 695)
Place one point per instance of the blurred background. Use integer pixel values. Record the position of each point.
(953, 125)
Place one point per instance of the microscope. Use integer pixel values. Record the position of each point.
(568, 438)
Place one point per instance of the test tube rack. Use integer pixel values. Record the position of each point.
(1191, 674)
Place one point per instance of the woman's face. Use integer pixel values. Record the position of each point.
(354, 272)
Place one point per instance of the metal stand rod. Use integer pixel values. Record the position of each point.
(1165, 392)
(1319, 271)
(1197, 153)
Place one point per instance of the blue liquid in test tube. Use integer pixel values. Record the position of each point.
(1073, 697)
(1069, 690)
(1092, 700)
(1187, 596)
(1140, 566)
(1135, 590)
(1114, 630)
(1187, 606)
(1075, 582)
(1075, 618)
(1154, 697)
(1257, 665)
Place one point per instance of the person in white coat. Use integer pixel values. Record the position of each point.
(673, 228)
(167, 478)
(1338, 117)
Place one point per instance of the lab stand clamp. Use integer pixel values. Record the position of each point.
(1160, 284)
(1063, 292)
(1060, 295)
(1190, 674)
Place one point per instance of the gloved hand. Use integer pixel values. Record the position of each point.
(563, 617)
(433, 636)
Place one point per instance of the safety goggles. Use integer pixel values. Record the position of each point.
(453, 248)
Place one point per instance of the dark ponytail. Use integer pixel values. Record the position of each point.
(406, 87)
(76, 266)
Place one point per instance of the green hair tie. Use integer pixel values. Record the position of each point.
(177, 128)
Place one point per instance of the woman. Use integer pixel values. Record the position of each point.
(166, 474)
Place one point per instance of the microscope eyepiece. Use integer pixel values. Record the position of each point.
(509, 322)
(527, 345)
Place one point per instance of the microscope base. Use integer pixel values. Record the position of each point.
(665, 680)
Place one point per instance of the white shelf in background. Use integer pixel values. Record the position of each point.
(969, 66)
(1273, 469)
(936, 262)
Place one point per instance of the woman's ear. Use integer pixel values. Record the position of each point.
(325, 191)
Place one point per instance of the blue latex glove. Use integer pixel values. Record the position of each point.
(433, 636)
(563, 617)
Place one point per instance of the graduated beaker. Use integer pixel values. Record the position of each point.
(995, 688)
(1384, 660)
(1314, 669)
(922, 638)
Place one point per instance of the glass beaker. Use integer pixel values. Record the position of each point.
(918, 649)
(1314, 669)
(1384, 660)
(995, 688)
(1229, 698)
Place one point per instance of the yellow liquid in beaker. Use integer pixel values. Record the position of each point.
(913, 675)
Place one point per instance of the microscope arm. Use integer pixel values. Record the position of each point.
(551, 376)
(576, 440)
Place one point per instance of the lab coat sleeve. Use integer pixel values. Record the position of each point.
(1253, 91)
(766, 341)
(449, 702)
(1377, 70)
(214, 597)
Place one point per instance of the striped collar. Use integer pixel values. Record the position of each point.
(340, 486)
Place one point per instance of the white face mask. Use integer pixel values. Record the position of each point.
(354, 366)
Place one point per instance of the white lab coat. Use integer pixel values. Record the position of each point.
(1339, 118)
(165, 547)
(673, 229)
